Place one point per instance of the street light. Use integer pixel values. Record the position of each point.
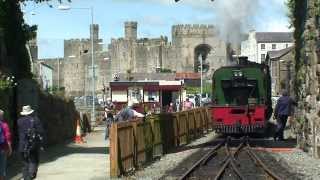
(64, 8)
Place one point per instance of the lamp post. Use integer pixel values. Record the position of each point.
(201, 78)
(65, 7)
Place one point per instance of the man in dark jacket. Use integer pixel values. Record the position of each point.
(27, 124)
(283, 110)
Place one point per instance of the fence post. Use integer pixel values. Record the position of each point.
(135, 144)
(114, 163)
(176, 129)
(208, 117)
(197, 123)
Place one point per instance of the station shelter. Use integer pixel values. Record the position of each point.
(148, 95)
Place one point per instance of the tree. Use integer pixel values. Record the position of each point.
(16, 34)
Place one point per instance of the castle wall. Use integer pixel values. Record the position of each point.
(145, 55)
(185, 38)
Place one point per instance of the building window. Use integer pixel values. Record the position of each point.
(274, 46)
(263, 57)
(152, 96)
(263, 46)
(287, 45)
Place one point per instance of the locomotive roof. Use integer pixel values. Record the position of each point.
(250, 65)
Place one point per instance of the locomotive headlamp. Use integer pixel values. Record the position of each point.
(237, 74)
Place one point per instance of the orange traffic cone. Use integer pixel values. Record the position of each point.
(78, 139)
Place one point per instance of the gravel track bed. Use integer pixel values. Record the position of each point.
(298, 164)
(159, 169)
(295, 165)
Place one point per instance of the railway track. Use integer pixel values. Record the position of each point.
(224, 162)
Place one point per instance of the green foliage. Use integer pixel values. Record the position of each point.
(16, 35)
(7, 82)
(164, 70)
(207, 88)
(297, 15)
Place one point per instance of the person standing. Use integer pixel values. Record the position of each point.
(5, 146)
(283, 110)
(31, 135)
(170, 108)
(187, 104)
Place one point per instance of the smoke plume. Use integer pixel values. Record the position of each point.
(234, 18)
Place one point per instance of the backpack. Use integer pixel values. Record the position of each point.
(33, 139)
(2, 136)
(124, 115)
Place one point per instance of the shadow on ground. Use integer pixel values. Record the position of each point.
(53, 153)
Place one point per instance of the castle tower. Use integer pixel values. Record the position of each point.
(94, 31)
(130, 30)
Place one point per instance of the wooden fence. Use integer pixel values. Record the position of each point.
(136, 142)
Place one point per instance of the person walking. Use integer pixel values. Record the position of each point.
(108, 114)
(283, 109)
(31, 139)
(5, 145)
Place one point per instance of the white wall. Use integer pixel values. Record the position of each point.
(156, 97)
(249, 47)
(46, 75)
(253, 50)
(119, 96)
(268, 47)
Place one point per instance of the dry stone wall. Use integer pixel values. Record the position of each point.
(307, 116)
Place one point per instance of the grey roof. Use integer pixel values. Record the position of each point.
(273, 55)
(269, 37)
(148, 76)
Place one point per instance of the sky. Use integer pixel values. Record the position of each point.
(154, 17)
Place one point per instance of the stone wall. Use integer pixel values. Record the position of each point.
(307, 79)
(58, 117)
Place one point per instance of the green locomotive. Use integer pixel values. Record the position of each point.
(241, 96)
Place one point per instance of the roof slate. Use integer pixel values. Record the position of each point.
(279, 53)
(270, 37)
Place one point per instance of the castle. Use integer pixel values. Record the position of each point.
(189, 44)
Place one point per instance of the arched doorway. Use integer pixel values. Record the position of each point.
(200, 54)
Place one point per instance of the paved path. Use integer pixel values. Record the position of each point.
(89, 161)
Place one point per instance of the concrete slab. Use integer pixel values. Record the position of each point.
(88, 161)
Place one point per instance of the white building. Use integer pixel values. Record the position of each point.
(259, 43)
(45, 75)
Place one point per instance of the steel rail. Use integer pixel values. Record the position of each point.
(254, 157)
(230, 160)
(202, 161)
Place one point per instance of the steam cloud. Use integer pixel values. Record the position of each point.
(234, 17)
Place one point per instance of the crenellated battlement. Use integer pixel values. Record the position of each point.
(76, 41)
(192, 29)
